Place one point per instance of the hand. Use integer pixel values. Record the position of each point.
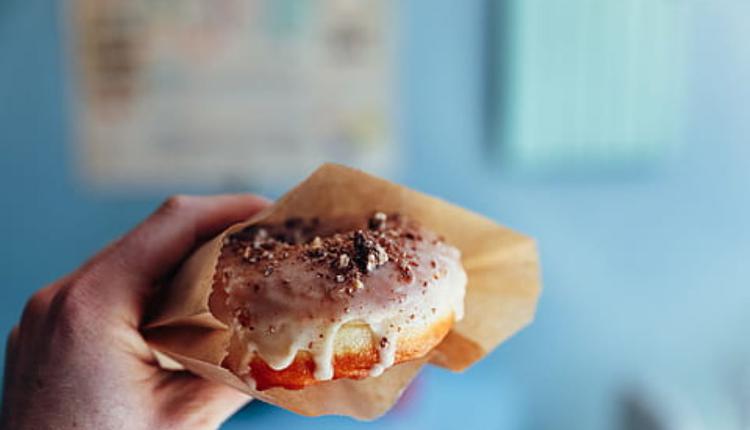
(77, 360)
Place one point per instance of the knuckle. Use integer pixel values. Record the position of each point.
(35, 307)
(12, 338)
(175, 203)
(69, 306)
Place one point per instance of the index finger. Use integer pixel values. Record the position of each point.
(127, 271)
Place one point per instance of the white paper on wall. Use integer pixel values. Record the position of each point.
(216, 92)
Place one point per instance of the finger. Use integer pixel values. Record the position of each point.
(11, 347)
(50, 290)
(11, 356)
(33, 317)
(153, 249)
(35, 311)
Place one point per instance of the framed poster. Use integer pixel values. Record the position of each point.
(242, 92)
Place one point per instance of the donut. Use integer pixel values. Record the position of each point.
(310, 300)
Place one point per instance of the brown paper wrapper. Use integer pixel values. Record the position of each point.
(501, 295)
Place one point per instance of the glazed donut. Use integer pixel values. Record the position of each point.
(309, 301)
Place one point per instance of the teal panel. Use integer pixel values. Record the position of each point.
(589, 83)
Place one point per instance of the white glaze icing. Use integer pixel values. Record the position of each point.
(295, 309)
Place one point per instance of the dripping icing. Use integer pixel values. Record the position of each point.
(378, 299)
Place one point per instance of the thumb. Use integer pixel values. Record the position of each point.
(126, 273)
(195, 402)
(198, 403)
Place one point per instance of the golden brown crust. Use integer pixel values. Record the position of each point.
(304, 293)
(351, 363)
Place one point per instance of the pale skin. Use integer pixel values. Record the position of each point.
(77, 359)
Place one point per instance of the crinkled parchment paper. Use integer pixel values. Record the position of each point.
(501, 295)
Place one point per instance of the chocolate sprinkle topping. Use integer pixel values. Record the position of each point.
(343, 257)
(384, 342)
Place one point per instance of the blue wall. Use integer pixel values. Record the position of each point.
(645, 274)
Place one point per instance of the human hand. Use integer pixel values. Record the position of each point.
(77, 359)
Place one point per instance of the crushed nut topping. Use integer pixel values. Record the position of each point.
(343, 261)
(341, 257)
(316, 243)
(378, 221)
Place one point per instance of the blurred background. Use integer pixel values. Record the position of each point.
(614, 132)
